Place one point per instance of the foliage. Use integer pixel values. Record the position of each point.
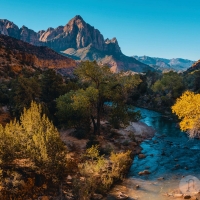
(51, 85)
(122, 114)
(34, 137)
(171, 83)
(187, 109)
(4, 97)
(92, 152)
(192, 81)
(98, 174)
(167, 89)
(24, 90)
(121, 162)
(99, 86)
(71, 117)
(151, 77)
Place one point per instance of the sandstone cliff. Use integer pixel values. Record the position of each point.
(79, 40)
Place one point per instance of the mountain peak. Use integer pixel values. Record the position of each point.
(78, 17)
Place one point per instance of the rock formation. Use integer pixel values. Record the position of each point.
(79, 40)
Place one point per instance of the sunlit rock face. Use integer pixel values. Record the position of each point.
(18, 55)
(78, 40)
(78, 34)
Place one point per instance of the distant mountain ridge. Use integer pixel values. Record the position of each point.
(163, 64)
(78, 40)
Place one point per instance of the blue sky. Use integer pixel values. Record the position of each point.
(159, 28)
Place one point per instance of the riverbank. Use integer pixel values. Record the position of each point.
(169, 156)
(110, 140)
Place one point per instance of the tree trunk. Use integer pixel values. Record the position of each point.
(98, 119)
(94, 125)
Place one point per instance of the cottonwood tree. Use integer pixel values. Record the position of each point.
(187, 108)
(100, 85)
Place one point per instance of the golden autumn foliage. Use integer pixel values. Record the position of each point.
(187, 108)
(33, 137)
(99, 173)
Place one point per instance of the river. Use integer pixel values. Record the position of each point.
(170, 154)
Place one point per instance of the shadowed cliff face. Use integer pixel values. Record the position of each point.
(17, 55)
(75, 34)
(78, 40)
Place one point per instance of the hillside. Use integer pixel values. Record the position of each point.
(16, 55)
(194, 67)
(79, 40)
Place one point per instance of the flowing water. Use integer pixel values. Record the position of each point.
(170, 154)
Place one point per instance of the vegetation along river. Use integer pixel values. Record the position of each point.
(170, 156)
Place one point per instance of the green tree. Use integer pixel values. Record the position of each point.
(192, 81)
(101, 85)
(24, 90)
(70, 117)
(4, 96)
(52, 85)
(169, 87)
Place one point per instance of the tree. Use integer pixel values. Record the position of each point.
(169, 87)
(4, 99)
(187, 108)
(24, 90)
(70, 117)
(171, 84)
(33, 137)
(192, 80)
(52, 85)
(100, 86)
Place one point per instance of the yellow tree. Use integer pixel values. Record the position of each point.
(36, 138)
(187, 108)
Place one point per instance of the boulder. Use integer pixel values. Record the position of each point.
(178, 195)
(187, 196)
(122, 196)
(141, 156)
(145, 172)
(137, 187)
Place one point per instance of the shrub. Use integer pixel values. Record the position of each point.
(120, 163)
(33, 137)
(97, 173)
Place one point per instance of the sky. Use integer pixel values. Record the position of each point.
(157, 28)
